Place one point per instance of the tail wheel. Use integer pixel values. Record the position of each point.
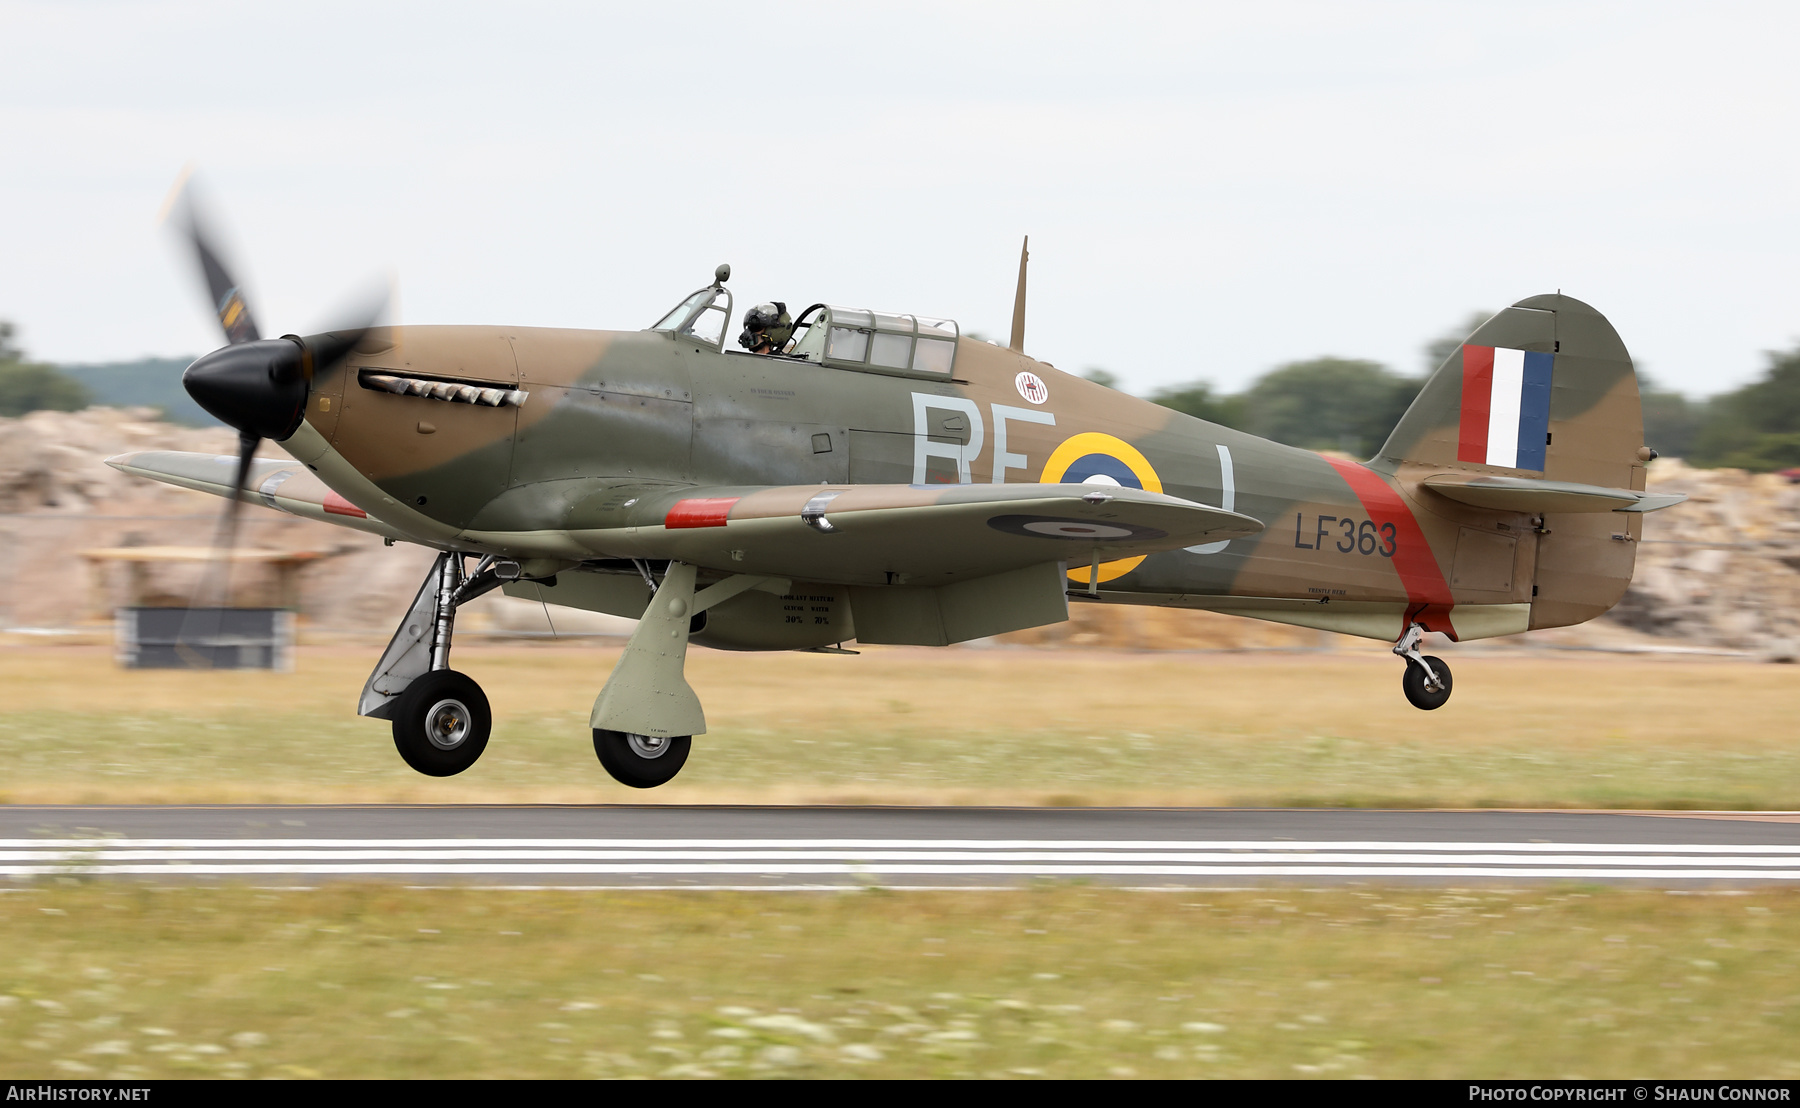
(1414, 682)
(441, 723)
(641, 761)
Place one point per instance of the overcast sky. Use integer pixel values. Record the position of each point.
(1210, 190)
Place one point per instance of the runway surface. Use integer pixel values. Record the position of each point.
(802, 848)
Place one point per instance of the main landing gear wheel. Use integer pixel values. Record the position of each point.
(1419, 688)
(641, 761)
(441, 723)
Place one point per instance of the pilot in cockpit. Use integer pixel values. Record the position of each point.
(767, 329)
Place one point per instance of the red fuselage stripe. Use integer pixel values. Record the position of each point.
(1477, 400)
(338, 506)
(702, 511)
(1427, 593)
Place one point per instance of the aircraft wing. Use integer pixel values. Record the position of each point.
(285, 486)
(896, 534)
(846, 534)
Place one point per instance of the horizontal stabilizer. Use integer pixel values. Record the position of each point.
(286, 486)
(899, 534)
(1527, 494)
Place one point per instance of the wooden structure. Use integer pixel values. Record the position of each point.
(168, 577)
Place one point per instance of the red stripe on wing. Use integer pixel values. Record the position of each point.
(701, 511)
(338, 506)
(1477, 400)
(1427, 593)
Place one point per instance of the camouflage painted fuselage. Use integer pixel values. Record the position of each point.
(616, 425)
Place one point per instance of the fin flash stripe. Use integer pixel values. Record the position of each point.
(1505, 407)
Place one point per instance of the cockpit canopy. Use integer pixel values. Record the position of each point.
(856, 338)
(703, 316)
(835, 336)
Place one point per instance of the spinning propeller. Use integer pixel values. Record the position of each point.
(256, 386)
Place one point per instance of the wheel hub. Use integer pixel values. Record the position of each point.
(647, 746)
(447, 724)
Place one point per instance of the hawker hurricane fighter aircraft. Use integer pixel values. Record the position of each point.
(883, 478)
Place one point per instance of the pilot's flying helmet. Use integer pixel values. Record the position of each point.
(767, 323)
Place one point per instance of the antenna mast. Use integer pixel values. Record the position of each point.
(1018, 327)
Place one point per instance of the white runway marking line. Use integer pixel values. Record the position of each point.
(887, 858)
(1236, 845)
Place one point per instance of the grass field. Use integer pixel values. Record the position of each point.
(125, 980)
(945, 726)
(360, 981)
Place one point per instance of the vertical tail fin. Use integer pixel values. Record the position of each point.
(1543, 389)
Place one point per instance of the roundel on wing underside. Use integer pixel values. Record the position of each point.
(1092, 458)
(1075, 530)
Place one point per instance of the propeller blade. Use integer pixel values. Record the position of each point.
(226, 294)
(365, 313)
(234, 315)
(226, 537)
(213, 594)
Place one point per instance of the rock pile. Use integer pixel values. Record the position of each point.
(58, 498)
(50, 462)
(1723, 569)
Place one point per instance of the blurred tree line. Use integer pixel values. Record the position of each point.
(1351, 405)
(31, 386)
(27, 386)
(1756, 427)
(1362, 400)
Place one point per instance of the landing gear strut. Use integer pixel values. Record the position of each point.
(1427, 680)
(643, 721)
(646, 716)
(440, 717)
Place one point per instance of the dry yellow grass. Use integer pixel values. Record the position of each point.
(948, 726)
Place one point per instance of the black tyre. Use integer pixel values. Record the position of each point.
(641, 761)
(1414, 684)
(441, 723)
